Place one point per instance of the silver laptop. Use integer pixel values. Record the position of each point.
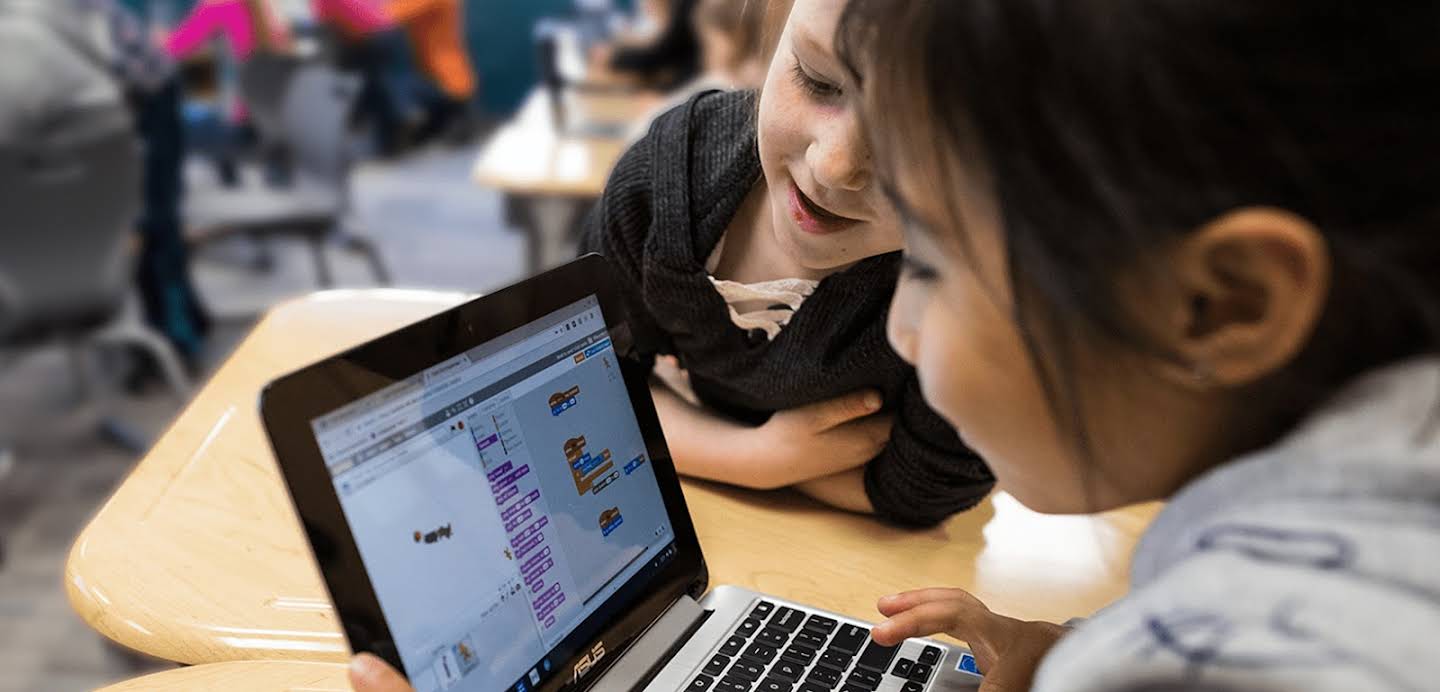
(490, 500)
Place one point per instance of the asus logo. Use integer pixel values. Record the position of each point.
(588, 661)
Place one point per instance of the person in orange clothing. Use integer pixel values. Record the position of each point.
(436, 31)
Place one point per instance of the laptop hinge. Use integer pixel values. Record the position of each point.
(653, 650)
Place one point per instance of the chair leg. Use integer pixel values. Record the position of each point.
(81, 386)
(131, 331)
(322, 264)
(7, 461)
(123, 435)
(263, 261)
(366, 247)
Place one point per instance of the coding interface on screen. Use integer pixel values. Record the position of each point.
(498, 499)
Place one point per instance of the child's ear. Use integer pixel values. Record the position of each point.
(1250, 286)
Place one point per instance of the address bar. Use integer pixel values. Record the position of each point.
(390, 416)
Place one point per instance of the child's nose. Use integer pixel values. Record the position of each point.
(839, 158)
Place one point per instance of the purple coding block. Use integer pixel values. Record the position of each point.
(510, 525)
(539, 570)
(516, 475)
(510, 511)
(524, 549)
(535, 560)
(550, 594)
(551, 608)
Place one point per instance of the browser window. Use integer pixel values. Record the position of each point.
(498, 499)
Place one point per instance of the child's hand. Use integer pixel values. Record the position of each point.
(819, 439)
(1006, 650)
(368, 673)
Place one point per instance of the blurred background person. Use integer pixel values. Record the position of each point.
(366, 41)
(243, 26)
(659, 62)
(436, 29)
(732, 50)
(733, 54)
(120, 54)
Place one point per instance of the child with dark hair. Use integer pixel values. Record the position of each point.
(1182, 250)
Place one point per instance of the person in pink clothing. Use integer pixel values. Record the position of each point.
(357, 18)
(235, 20)
(245, 25)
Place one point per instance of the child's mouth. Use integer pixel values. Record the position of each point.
(813, 218)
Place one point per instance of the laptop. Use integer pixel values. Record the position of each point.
(489, 498)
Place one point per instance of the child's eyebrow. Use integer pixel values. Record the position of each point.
(813, 49)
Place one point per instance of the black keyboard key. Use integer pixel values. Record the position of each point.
(930, 656)
(748, 627)
(701, 683)
(876, 657)
(867, 679)
(835, 659)
(762, 609)
(825, 677)
(729, 684)
(809, 639)
(913, 686)
(774, 685)
(717, 664)
(787, 619)
(852, 688)
(811, 686)
(732, 646)
(799, 654)
(920, 673)
(789, 671)
(820, 623)
(902, 668)
(759, 652)
(747, 670)
(849, 639)
(772, 637)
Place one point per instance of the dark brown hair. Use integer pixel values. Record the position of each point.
(1105, 130)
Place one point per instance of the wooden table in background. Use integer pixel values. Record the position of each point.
(550, 176)
(198, 557)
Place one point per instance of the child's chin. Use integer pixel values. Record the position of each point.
(816, 253)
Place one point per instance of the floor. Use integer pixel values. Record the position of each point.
(434, 228)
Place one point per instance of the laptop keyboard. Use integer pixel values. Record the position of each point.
(784, 649)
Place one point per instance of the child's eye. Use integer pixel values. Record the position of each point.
(915, 270)
(817, 88)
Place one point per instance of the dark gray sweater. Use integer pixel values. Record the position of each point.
(664, 210)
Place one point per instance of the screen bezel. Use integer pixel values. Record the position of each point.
(290, 403)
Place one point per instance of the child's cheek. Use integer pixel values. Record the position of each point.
(782, 125)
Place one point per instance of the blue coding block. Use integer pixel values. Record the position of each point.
(610, 528)
(597, 348)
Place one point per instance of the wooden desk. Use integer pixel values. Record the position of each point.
(198, 557)
(549, 176)
(243, 676)
(529, 155)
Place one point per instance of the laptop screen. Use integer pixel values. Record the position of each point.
(498, 499)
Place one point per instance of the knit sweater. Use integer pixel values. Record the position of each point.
(665, 208)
